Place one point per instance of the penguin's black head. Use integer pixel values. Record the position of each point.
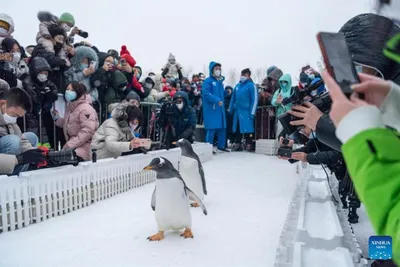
(185, 145)
(160, 165)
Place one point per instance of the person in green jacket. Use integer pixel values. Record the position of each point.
(285, 91)
(371, 149)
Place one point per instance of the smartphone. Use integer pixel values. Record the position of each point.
(145, 142)
(285, 152)
(338, 61)
(123, 61)
(93, 63)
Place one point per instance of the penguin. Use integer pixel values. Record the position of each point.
(191, 170)
(170, 200)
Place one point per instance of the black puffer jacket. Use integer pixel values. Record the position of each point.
(325, 131)
(318, 153)
(43, 94)
(366, 36)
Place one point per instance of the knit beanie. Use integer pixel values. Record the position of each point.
(67, 18)
(270, 69)
(127, 56)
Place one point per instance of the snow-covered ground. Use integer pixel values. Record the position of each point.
(247, 205)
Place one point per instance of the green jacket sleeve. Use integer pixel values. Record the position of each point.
(373, 161)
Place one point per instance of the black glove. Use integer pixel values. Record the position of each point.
(31, 156)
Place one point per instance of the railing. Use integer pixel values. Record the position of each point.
(40, 195)
(265, 123)
(316, 231)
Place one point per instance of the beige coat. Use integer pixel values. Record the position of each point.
(8, 162)
(113, 137)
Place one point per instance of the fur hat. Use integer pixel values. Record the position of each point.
(127, 56)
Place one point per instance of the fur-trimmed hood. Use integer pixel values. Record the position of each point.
(118, 112)
(82, 52)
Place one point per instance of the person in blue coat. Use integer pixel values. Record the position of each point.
(213, 107)
(244, 106)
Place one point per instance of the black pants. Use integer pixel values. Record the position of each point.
(249, 137)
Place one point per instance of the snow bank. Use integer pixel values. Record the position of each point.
(316, 230)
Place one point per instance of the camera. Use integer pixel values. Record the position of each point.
(83, 34)
(322, 102)
(168, 108)
(63, 156)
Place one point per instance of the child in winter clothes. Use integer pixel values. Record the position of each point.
(172, 68)
(43, 37)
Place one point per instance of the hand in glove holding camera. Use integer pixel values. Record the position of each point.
(32, 156)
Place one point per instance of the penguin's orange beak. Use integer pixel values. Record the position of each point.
(148, 168)
(174, 143)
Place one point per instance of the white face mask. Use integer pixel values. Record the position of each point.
(179, 106)
(65, 27)
(16, 57)
(133, 126)
(148, 85)
(217, 73)
(42, 77)
(3, 31)
(9, 119)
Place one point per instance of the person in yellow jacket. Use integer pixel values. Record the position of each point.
(371, 149)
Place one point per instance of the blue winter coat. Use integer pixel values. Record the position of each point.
(185, 120)
(244, 106)
(212, 93)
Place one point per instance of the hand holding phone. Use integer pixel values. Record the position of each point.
(285, 152)
(338, 61)
(8, 57)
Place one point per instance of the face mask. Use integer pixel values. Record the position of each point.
(3, 31)
(179, 106)
(138, 76)
(42, 77)
(65, 27)
(9, 119)
(217, 73)
(16, 57)
(311, 76)
(58, 45)
(284, 84)
(148, 85)
(83, 66)
(70, 95)
(133, 126)
(243, 78)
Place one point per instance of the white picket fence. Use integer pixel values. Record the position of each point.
(40, 195)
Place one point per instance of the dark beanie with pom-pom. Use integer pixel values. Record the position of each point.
(127, 56)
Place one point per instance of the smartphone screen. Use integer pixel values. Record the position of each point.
(338, 60)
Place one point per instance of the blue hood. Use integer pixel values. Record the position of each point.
(211, 66)
(183, 95)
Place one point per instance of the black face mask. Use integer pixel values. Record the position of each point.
(58, 46)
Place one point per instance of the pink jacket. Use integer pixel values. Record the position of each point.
(79, 124)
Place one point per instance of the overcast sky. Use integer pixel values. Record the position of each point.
(239, 34)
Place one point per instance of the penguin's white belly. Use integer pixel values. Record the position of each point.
(189, 170)
(172, 205)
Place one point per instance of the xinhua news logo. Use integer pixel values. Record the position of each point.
(380, 247)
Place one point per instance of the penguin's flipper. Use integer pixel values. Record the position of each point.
(203, 178)
(193, 197)
(153, 200)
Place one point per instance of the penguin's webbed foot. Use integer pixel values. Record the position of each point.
(187, 234)
(195, 205)
(157, 237)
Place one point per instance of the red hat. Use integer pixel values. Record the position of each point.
(127, 56)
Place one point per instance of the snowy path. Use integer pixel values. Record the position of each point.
(247, 205)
